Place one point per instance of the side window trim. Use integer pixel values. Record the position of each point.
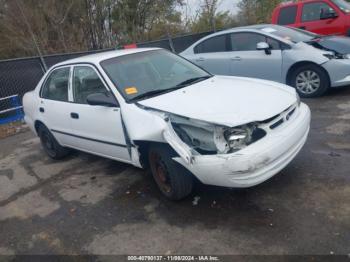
(48, 76)
(97, 73)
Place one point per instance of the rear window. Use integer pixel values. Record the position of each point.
(212, 45)
(287, 15)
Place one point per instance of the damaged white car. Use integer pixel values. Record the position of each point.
(151, 108)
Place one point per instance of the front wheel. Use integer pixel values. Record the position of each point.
(310, 81)
(173, 180)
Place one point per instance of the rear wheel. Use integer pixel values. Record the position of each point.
(310, 81)
(173, 180)
(52, 148)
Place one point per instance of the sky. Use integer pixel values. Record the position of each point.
(225, 5)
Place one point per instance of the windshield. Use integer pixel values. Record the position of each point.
(343, 5)
(151, 72)
(291, 34)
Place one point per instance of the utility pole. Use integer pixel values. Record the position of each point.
(32, 35)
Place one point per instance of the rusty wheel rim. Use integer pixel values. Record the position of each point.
(160, 172)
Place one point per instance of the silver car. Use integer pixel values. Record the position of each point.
(311, 63)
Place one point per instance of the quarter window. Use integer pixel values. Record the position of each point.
(86, 82)
(212, 45)
(287, 15)
(56, 86)
(313, 11)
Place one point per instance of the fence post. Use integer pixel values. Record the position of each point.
(171, 44)
(33, 36)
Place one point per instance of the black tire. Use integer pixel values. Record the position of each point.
(348, 33)
(309, 91)
(172, 179)
(52, 148)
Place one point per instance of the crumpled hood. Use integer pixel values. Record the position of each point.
(225, 100)
(339, 44)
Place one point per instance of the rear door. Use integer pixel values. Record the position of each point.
(54, 102)
(95, 129)
(213, 55)
(247, 61)
(311, 18)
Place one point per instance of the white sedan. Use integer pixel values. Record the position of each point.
(153, 109)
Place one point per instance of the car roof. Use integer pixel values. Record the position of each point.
(249, 27)
(101, 56)
(291, 3)
(254, 28)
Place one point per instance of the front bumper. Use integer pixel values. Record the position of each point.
(338, 71)
(257, 162)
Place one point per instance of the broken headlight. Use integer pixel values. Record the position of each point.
(237, 138)
(208, 138)
(334, 55)
(230, 140)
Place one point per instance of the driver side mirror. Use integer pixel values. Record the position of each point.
(102, 99)
(264, 46)
(327, 14)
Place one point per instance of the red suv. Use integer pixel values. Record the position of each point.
(319, 16)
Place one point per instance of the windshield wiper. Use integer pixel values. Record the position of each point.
(163, 91)
(149, 94)
(192, 81)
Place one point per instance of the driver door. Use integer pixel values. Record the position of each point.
(311, 19)
(96, 129)
(247, 61)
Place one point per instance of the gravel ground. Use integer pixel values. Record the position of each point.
(90, 205)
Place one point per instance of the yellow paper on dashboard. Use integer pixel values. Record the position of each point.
(131, 90)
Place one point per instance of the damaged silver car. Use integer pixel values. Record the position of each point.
(153, 109)
(311, 63)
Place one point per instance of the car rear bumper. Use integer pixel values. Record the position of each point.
(30, 123)
(257, 162)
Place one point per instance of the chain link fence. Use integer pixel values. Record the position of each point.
(18, 76)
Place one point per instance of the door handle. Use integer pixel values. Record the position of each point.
(201, 59)
(236, 58)
(74, 115)
(41, 109)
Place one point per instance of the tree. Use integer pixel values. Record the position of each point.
(209, 18)
(139, 20)
(54, 26)
(256, 11)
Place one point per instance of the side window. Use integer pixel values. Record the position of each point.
(212, 45)
(274, 44)
(86, 82)
(246, 41)
(56, 86)
(287, 15)
(313, 11)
